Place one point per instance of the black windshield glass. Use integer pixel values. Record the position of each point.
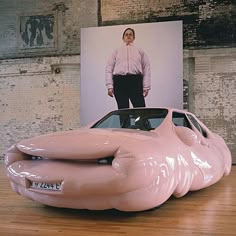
(143, 119)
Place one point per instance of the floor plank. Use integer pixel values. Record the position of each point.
(211, 211)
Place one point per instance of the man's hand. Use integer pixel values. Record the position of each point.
(110, 92)
(145, 92)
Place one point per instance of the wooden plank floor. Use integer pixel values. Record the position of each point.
(211, 211)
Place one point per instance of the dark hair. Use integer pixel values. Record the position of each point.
(128, 29)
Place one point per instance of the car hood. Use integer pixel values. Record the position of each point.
(82, 144)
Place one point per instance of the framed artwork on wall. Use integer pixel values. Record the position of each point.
(37, 32)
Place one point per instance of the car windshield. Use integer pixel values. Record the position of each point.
(142, 119)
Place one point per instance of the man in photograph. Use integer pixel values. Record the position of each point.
(128, 73)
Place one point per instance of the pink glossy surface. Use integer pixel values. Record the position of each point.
(148, 166)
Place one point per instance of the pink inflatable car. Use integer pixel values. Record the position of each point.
(130, 160)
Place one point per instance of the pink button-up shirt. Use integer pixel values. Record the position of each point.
(128, 59)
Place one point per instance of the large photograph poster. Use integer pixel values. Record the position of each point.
(163, 44)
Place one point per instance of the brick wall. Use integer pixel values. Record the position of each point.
(212, 92)
(35, 100)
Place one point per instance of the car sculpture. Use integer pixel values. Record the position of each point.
(130, 160)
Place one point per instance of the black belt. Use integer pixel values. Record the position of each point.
(128, 75)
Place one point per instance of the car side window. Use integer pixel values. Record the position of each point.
(155, 122)
(180, 119)
(197, 125)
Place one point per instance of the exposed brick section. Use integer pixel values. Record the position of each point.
(205, 22)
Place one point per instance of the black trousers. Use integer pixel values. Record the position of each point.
(128, 87)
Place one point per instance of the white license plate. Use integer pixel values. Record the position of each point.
(46, 186)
